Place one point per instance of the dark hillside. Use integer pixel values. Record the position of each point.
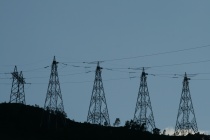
(18, 121)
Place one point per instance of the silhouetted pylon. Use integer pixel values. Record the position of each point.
(98, 111)
(17, 91)
(143, 115)
(53, 101)
(186, 121)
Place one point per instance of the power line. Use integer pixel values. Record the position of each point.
(75, 82)
(5, 83)
(140, 56)
(117, 59)
(62, 75)
(154, 54)
(166, 65)
(129, 72)
(128, 68)
(186, 63)
(34, 69)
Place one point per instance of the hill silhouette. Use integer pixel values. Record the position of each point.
(19, 121)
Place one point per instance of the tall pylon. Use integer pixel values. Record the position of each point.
(186, 121)
(53, 101)
(17, 91)
(143, 112)
(98, 111)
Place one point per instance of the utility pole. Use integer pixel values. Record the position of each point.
(53, 101)
(17, 91)
(98, 111)
(186, 121)
(143, 115)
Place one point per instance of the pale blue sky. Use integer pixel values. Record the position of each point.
(145, 33)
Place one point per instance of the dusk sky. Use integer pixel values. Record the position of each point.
(167, 37)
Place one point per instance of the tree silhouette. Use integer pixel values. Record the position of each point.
(117, 122)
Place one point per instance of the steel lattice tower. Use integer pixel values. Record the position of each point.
(54, 102)
(98, 111)
(17, 91)
(186, 121)
(143, 112)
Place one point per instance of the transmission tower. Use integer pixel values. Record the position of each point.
(186, 121)
(143, 112)
(17, 91)
(98, 111)
(53, 101)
